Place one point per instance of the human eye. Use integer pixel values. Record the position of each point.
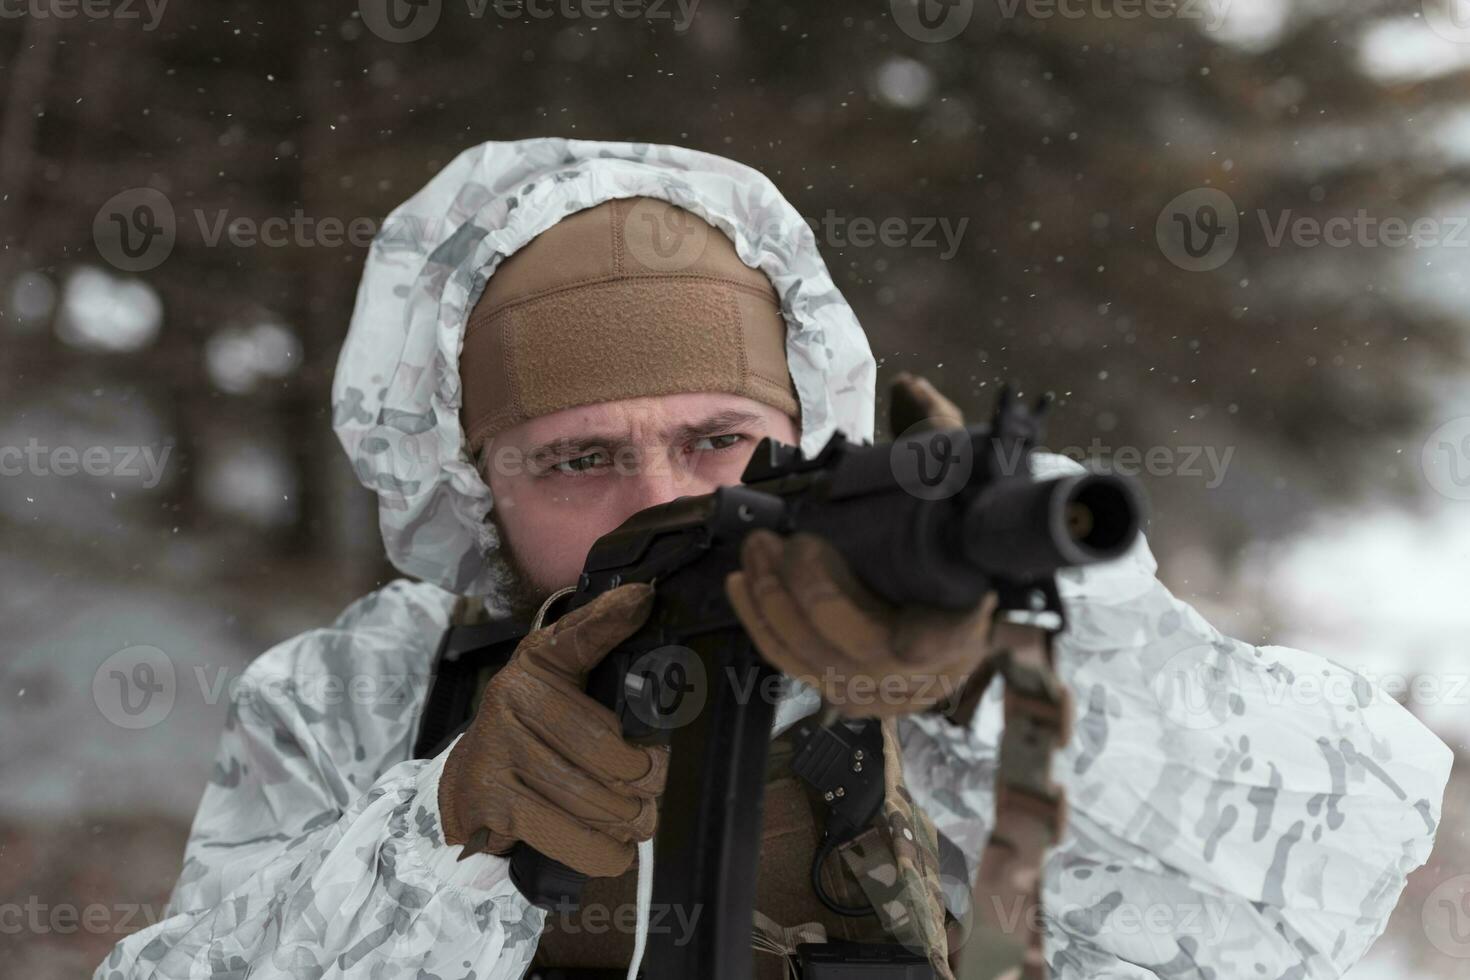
(577, 465)
(707, 444)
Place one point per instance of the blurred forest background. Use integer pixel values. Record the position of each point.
(1329, 378)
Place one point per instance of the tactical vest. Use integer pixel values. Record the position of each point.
(892, 867)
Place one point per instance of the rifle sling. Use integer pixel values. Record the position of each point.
(1005, 939)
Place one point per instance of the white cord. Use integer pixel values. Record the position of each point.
(645, 905)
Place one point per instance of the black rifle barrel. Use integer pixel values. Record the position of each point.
(1026, 530)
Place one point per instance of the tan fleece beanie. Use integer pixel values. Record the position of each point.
(632, 298)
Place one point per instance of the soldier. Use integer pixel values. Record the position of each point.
(553, 335)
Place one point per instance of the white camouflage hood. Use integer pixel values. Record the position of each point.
(396, 394)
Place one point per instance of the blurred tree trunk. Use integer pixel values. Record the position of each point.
(28, 79)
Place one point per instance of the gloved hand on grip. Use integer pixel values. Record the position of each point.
(811, 618)
(544, 763)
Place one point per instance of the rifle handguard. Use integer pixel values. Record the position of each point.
(545, 882)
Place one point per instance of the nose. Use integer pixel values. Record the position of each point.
(646, 491)
(658, 484)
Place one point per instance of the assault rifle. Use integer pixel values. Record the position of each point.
(938, 517)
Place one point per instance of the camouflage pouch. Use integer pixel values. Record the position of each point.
(896, 861)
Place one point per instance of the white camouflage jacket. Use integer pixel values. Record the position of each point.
(1235, 811)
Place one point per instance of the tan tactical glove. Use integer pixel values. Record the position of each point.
(545, 764)
(812, 619)
(914, 403)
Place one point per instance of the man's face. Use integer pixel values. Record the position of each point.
(563, 480)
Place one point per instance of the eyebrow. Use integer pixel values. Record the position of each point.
(719, 423)
(569, 447)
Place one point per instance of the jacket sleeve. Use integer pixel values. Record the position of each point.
(1234, 810)
(317, 850)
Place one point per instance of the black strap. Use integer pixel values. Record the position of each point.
(465, 653)
(841, 959)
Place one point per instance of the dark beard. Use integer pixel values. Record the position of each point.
(521, 599)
